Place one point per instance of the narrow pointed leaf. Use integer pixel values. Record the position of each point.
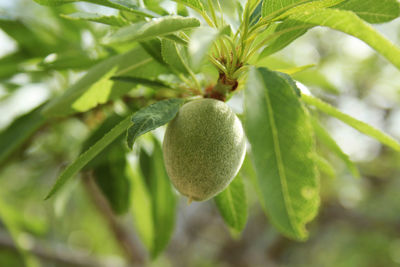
(95, 87)
(142, 206)
(195, 4)
(232, 204)
(348, 22)
(324, 167)
(123, 5)
(282, 149)
(163, 200)
(356, 124)
(104, 19)
(327, 140)
(109, 166)
(373, 11)
(18, 132)
(275, 7)
(89, 154)
(152, 117)
(151, 29)
(175, 56)
(201, 41)
(339, 19)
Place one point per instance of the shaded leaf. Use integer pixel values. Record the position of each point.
(152, 117)
(89, 154)
(282, 149)
(142, 81)
(232, 204)
(142, 206)
(164, 201)
(18, 132)
(109, 166)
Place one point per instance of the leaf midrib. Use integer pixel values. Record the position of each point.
(279, 161)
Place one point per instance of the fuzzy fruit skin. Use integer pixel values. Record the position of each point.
(204, 147)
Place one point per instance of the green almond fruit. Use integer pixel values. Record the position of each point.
(204, 147)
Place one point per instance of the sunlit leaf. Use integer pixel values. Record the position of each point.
(373, 11)
(124, 5)
(356, 124)
(195, 4)
(282, 148)
(351, 24)
(201, 41)
(142, 31)
(109, 20)
(175, 56)
(328, 141)
(96, 87)
(324, 167)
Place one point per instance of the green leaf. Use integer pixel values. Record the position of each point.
(329, 142)
(15, 135)
(195, 4)
(123, 5)
(12, 225)
(371, 10)
(109, 20)
(142, 81)
(89, 154)
(201, 41)
(310, 7)
(155, 214)
(109, 166)
(112, 180)
(155, 28)
(356, 124)
(272, 8)
(76, 60)
(232, 204)
(324, 167)
(175, 56)
(296, 25)
(282, 149)
(142, 206)
(351, 24)
(152, 117)
(96, 87)
(281, 35)
(310, 77)
(163, 200)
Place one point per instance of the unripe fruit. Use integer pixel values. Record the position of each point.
(204, 147)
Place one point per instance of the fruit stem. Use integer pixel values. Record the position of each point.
(224, 86)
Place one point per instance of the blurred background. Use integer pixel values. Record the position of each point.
(359, 219)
